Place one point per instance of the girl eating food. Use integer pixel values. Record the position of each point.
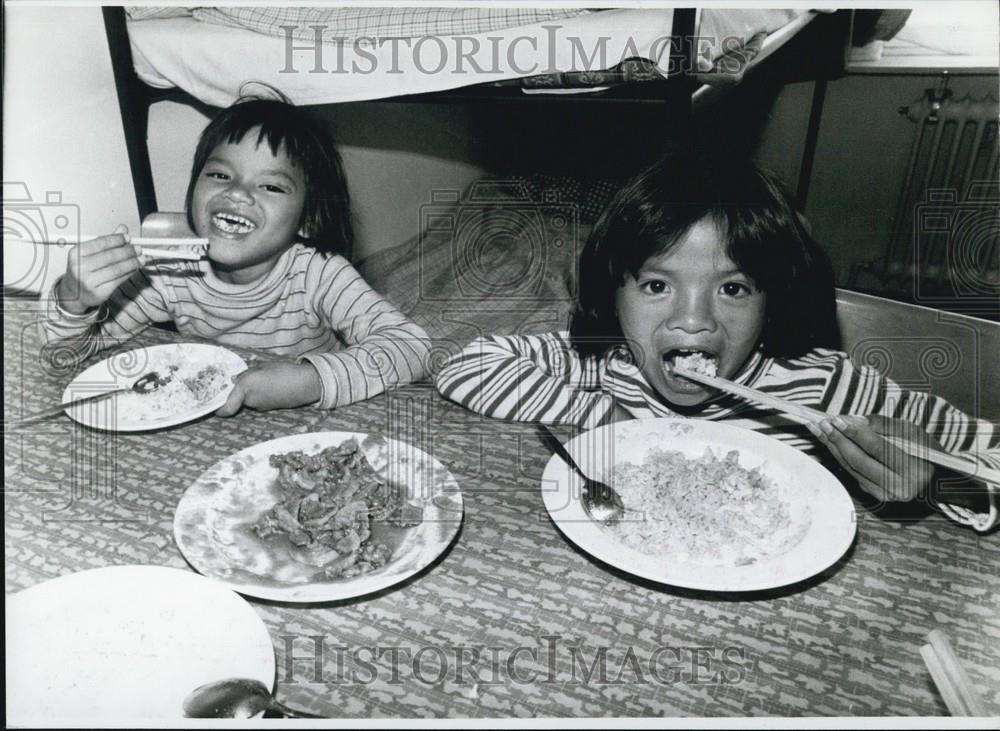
(268, 191)
(704, 263)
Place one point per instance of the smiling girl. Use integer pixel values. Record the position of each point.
(269, 193)
(706, 260)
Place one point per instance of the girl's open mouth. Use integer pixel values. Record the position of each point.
(696, 360)
(232, 224)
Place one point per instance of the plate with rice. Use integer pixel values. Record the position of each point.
(710, 506)
(318, 517)
(198, 378)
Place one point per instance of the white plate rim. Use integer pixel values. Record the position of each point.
(339, 590)
(839, 517)
(259, 644)
(102, 372)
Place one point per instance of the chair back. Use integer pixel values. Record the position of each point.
(949, 355)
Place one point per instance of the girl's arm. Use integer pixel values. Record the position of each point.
(384, 348)
(71, 338)
(537, 378)
(887, 408)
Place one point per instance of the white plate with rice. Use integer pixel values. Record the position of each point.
(200, 379)
(710, 506)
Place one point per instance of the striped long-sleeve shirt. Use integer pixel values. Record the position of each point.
(313, 307)
(541, 378)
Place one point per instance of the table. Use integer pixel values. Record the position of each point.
(512, 621)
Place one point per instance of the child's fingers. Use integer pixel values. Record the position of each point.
(857, 430)
(235, 401)
(880, 469)
(905, 476)
(865, 484)
(116, 272)
(110, 263)
(852, 455)
(111, 242)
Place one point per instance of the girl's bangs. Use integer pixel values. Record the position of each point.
(279, 139)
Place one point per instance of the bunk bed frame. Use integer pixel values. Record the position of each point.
(817, 53)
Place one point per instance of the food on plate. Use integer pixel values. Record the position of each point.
(695, 360)
(706, 510)
(205, 384)
(184, 387)
(329, 502)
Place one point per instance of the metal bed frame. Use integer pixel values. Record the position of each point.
(818, 52)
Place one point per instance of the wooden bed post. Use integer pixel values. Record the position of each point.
(133, 103)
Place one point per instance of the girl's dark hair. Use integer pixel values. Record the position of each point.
(765, 238)
(326, 215)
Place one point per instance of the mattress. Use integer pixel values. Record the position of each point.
(215, 62)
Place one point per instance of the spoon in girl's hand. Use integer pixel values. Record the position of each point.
(235, 698)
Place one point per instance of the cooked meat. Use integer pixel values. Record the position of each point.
(329, 500)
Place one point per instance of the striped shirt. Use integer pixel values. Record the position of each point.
(314, 307)
(541, 378)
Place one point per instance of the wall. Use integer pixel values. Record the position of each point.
(61, 137)
(394, 154)
(862, 156)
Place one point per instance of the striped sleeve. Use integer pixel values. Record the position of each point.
(864, 391)
(384, 348)
(130, 310)
(536, 378)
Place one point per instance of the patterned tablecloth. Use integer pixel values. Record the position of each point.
(513, 620)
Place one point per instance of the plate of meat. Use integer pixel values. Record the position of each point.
(318, 517)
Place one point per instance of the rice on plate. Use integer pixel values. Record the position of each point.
(187, 387)
(707, 510)
(195, 379)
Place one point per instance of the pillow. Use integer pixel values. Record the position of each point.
(498, 259)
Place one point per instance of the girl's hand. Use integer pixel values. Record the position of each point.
(94, 270)
(273, 386)
(881, 469)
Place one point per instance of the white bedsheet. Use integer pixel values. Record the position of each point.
(213, 62)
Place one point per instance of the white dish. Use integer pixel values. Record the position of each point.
(172, 404)
(126, 642)
(213, 519)
(813, 496)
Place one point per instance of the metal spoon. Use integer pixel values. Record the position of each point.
(600, 501)
(236, 698)
(145, 384)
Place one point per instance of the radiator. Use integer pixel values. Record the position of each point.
(944, 249)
